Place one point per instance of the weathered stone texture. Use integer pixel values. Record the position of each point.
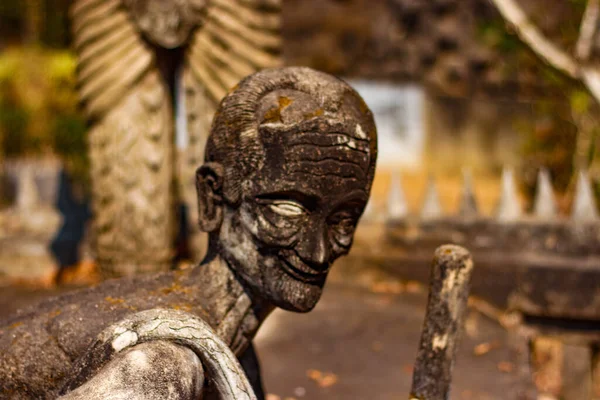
(167, 61)
(289, 167)
(46, 339)
(448, 292)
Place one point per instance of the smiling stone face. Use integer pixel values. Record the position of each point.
(298, 217)
(295, 210)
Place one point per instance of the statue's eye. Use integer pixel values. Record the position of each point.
(343, 223)
(346, 225)
(287, 208)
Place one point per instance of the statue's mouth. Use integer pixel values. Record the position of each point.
(299, 270)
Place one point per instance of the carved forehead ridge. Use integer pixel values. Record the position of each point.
(291, 100)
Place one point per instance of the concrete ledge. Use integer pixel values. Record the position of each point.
(542, 269)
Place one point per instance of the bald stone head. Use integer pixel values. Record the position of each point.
(289, 166)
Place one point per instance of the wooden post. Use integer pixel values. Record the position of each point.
(448, 294)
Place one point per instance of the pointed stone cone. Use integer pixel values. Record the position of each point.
(468, 203)
(584, 204)
(369, 214)
(545, 203)
(397, 208)
(509, 206)
(432, 208)
(27, 192)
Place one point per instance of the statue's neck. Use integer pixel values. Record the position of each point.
(234, 314)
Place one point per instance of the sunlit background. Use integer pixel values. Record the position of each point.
(461, 105)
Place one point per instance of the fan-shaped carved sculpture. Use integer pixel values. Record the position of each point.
(143, 64)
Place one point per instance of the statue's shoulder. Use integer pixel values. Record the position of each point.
(96, 306)
(39, 343)
(147, 333)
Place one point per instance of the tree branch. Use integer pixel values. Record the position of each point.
(591, 79)
(532, 36)
(587, 30)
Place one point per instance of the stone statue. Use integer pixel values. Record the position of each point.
(288, 170)
(150, 75)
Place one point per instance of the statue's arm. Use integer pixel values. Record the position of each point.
(151, 370)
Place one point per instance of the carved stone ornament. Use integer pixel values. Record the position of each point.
(167, 23)
(151, 74)
(288, 171)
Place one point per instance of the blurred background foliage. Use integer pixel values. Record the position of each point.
(563, 135)
(34, 22)
(39, 114)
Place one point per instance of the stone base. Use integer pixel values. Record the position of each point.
(26, 260)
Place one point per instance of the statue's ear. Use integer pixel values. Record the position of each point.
(209, 186)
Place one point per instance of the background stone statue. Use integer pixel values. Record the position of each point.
(288, 171)
(151, 73)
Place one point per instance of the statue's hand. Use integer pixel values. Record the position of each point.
(151, 370)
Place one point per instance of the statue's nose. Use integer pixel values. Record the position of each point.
(315, 249)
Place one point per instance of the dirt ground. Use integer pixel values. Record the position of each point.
(361, 345)
(357, 344)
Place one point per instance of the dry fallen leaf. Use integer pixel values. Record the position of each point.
(505, 366)
(387, 287)
(413, 287)
(484, 348)
(314, 374)
(322, 379)
(328, 380)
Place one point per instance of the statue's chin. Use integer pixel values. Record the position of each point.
(293, 295)
(273, 283)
